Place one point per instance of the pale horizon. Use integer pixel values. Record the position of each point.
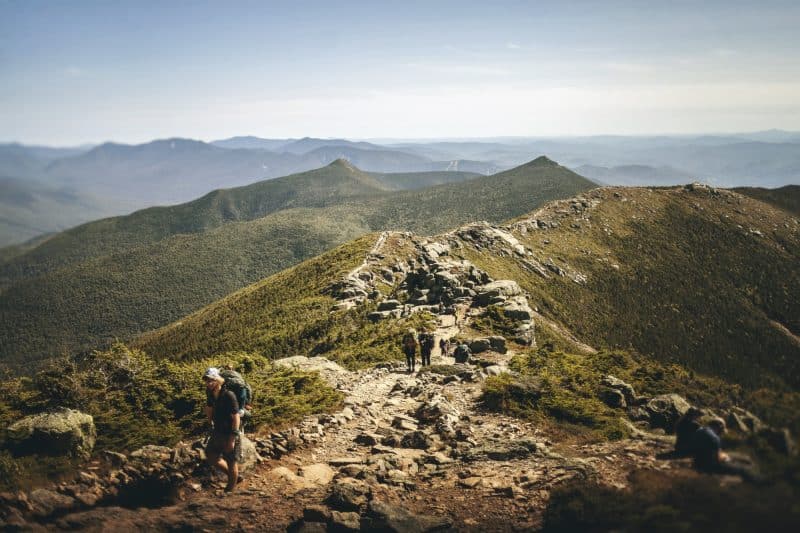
(133, 72)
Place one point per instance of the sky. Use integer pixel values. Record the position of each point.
(74, 72)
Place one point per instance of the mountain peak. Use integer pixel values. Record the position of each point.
(343, 163)
(541, 161)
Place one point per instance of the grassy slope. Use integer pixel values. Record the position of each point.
(786, 198)
(143, 287)
(283, 315)
(400, 181)
(693, 286)
(494, 198)
(317, 188)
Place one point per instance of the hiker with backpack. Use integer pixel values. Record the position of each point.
(444, 347)
(409, 345)
(426, 344)
(222, 411)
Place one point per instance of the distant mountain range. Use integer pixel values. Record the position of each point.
(117, 178)
(120, 276)
(630, 175)
(75, 185)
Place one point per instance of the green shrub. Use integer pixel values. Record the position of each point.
(136, 400)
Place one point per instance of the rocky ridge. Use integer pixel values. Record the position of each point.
(406, 452)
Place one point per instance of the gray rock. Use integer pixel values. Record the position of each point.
(344, 522)
(503, 450)
(318, 473)
(248, 455)
(389, 305)
(115, 458)
(665, 410)
(517, 308)
(392, 518)
(416, 439)
(349, 494)
(47, 503)
(617, 384)
(62, 433)
(480, 345)
(152, 453)
(502, 289)
(367, 439)
(435, 408)
(493, 370)
(387, 274)
(753, 423)
(498, 343)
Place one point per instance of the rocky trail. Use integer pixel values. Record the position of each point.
(408, 452)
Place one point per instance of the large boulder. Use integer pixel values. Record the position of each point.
(480, 345)
(248, 457)
(665, 410)
(62, 433)
(45, 502)
(393, 518)
(517, 308)
(497, 292)
(621, 388)
(330, 371)
(349, 494)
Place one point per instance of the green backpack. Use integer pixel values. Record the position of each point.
(235, 383)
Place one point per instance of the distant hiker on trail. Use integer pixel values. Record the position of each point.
(708, 456)
(462, 353)
(410, 349)
(222, 410)
(426, 343)
(444, 346)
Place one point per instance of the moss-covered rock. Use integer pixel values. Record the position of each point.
(63, 433)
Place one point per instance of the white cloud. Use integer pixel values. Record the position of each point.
(513, 46)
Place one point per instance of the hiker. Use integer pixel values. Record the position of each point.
(708, 456)
(444, 346)
(222, 410)
(462, 353)
(426, 343)
(410, 349)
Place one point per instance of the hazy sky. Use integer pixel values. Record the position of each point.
(81, 71)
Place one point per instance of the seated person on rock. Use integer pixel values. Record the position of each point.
(707, 454)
